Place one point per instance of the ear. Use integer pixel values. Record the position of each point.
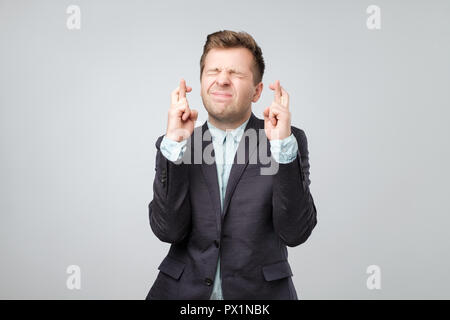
(258, 92)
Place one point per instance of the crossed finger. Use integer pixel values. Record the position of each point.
(280, 95)
(180, 92)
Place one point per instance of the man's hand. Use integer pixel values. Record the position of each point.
(277, 117)
(181, 119)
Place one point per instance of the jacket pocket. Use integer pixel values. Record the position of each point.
(276, 271)
(171, 267)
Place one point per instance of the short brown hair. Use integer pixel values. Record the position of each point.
(231, 39)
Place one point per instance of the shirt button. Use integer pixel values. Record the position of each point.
(208, 282)
(216, 243)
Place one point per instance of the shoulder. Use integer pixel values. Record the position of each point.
(302, 141)
(299, 134)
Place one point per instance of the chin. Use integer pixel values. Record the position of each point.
(220, 116)
(219, 110)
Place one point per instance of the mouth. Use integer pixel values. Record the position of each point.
(222, 95)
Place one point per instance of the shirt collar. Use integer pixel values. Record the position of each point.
(219, 134)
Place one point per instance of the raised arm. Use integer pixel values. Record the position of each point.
(170, 209)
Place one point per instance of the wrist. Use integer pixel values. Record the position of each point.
(281, 136)
(175, 137)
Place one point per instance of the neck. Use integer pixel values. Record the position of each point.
(230, 125)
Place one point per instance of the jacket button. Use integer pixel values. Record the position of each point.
(208, 281)
(216, 243)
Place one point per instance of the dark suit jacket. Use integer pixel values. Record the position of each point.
(262, 215)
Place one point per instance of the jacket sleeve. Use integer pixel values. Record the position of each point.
(170, 209)
(294, 212)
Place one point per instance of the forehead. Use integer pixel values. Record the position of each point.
(240, 59)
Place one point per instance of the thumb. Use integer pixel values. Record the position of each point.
(194, 115)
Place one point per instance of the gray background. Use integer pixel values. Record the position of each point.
(80, 112)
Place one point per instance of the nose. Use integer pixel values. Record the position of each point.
(223, 78)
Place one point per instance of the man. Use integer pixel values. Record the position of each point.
(228, 223)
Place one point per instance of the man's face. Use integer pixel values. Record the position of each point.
(227, 87)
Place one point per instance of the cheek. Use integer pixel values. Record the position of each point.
(206, 84)
(245, 92)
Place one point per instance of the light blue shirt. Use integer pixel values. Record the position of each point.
(225, 145)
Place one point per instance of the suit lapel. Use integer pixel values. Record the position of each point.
(238, 169)
(210, 170)
(210, 174)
